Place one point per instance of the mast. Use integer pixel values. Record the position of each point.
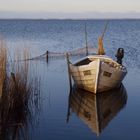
(101, 50)
(86, 39)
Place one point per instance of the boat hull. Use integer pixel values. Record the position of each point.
(98, 76)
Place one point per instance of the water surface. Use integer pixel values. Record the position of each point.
(63, 35)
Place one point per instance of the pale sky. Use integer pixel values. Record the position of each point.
(68, 6)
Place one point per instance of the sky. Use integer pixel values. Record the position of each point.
(69, 8)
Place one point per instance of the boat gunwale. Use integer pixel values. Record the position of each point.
(104, 57)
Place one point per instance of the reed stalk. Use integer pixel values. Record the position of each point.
(3, 59)
(18, 94)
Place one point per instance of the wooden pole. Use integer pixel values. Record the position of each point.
(86, 39)
(68, 111)
(47, 56)
(69, 74)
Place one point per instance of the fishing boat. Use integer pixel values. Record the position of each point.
(96, 111)
(97, 73)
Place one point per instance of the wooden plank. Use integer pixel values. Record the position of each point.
(97, 76)
(87, 78)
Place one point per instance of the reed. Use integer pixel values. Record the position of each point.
(19, 95)
(3, 59)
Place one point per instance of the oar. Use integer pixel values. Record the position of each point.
(86, 39)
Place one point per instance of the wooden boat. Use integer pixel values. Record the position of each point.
(97, 73)
(96, 111)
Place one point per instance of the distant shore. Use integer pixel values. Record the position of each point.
(78, 19)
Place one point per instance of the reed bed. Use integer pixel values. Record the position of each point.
(20, 95)
(3, 60)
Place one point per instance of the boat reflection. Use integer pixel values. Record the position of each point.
(96, 111)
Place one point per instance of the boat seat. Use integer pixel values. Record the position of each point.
(83, 62)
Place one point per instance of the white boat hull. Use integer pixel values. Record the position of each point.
(99, 75)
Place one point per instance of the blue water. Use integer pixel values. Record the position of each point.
(64, 35)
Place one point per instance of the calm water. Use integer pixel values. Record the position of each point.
(120, 114)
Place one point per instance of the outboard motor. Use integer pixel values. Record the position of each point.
(120, 55)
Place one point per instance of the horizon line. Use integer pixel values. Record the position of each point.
(117, 18)
(69, 15)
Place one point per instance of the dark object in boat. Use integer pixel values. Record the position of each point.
(120, 55)
(83, 62)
